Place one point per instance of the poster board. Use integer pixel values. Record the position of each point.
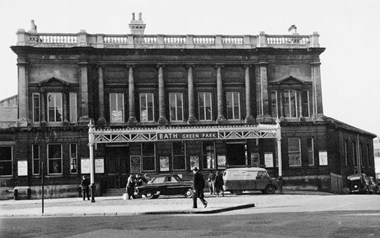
(99, 166)
(22, 168)
(194, 162)
(255, 159)
(221, 161)
(323, 158)
(135, 164)
(268, 158)
(164, 163)
(85, 166)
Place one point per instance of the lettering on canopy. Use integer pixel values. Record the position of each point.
(187, 136)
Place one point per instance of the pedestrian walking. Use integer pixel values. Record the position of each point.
(219, 183)
(85, 184)
(198, 186)
(131, 186)
(211, 182)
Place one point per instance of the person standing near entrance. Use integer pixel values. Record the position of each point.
(85, 188)
(131, 186)
(211, 182)
(198, 186)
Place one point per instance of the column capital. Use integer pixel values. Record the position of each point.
(130, 66)
(160, 65)
(263, 63)
(190, 65)
(22, 61)
(315, 64)
(247, 65)
(219, 65)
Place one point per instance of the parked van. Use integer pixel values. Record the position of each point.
(237, 180)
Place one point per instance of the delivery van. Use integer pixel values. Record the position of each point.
(237, 180)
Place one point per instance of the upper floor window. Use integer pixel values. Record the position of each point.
(6, 158)
(117, 107)
(205, 106)
(290, 103)
(36, 159)
(146, 107)
(274, 103)
(36, 107)
(55, 159)
(54, 103)
(294, 152)
(233, 105)
(176, 106)
(73, 107)
(305, 98)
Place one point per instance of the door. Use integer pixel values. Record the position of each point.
(236, 154)
(116, 166)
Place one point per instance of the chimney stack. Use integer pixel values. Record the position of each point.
(137, 27)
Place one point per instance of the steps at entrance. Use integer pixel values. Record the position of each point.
(114, 192)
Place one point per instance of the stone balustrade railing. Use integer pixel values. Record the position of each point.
(166, 41)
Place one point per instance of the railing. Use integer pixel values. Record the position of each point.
(166, 41)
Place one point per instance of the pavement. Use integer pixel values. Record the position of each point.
(113, 206)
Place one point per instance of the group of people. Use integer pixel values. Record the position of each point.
(215, 183)
(134, 181)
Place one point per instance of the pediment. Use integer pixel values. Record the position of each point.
(54, 82)
(290, 81)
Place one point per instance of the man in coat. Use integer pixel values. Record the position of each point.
(85, 188)
(198, 186)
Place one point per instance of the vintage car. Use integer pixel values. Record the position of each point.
(358, 183)
(374, 187)
(165, 184)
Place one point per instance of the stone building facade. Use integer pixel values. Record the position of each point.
(138, 103)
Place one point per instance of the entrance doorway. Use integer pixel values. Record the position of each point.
(117, 165)
(236, 154)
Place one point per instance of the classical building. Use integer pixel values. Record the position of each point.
(138, 103)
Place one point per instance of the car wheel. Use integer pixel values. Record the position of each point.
(156, 196)
(149, 194)
(270, 189)
(189, 193)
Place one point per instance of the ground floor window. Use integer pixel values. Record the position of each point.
(36, 159)
(294, 152)
(148, 156)
(179, 156)
(73, 159)
(310, 151)
(6, 159)
(55, 159)
(208, 155)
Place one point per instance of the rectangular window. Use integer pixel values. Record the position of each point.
(148, 156)
(290, 103)
(176, 106)
(36, 159)
(274, 104)
(36, 107)
(55, 159)
(146, 107)
(54, 107)
(305, 103)
(6, 158)
(208, 155)
(179, 156)
(205, 106)
(73, 107)
(73, 159)
(233, 105)
(310, 151)
(345, 151)
(117, 107)
(294, 152)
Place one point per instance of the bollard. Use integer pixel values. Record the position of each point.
(195, 199)
(28, 193)
(15, 194)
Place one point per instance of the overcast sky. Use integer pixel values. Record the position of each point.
(349, 30)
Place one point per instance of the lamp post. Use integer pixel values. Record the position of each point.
(91, 142)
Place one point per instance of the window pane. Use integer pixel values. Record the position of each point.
(73, 159)
(176, 106)
(274, 103)
(310, 151)
(6, 160)
(117, 107)
(179, 155)
(286, 103)
(294, 151)
(148, 163)
(54, 151)
(36, 107)
(293, 103)
(36, 159)
(54, 107)
(208, 155)
(305, 104)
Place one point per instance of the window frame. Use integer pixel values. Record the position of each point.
(8, 161)
(50, 159)
(34, 159)
(34, 108)
(73, 107)
(60, 109)
(147, 106)
(274, 103)
(290, 106)
(174, 156)
(153, 157)
(299, 152)
(117, 104)
(176, 107)
(205, 159)
(205, 107)
(310, 152)
(71, 158)
(233, 106)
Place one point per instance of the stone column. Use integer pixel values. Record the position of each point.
(131, 91)
(317, 89)
(161, 96)
(219, 87)
(23, 102)
(249, 118)
(190, 87)
(262, 93)
(83, 84)
(101, 120)
(279, 153)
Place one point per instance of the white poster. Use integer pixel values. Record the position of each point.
(85, 166)
(164, 163)
(323, 159)
(99, 166)
(221, 161)
(22, 168)
(268, 157)
(194, 162)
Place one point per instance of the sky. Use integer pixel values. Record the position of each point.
(348, 29)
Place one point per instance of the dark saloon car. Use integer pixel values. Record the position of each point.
(165, 184)
(358, 183)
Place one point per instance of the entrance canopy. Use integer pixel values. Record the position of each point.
(225, 132)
